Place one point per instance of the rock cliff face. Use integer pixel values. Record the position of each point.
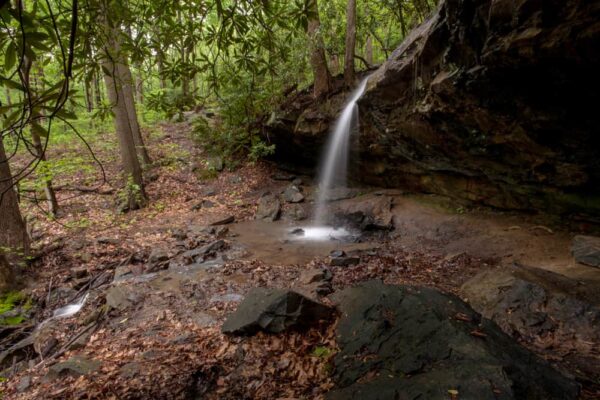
(489, 101)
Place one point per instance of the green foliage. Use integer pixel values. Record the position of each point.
(169, 102)
(8, 302)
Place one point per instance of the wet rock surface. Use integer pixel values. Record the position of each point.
(586, 250)
(274, 311)
(408, 342)
(544, 309)
(269, 207)
(473, 105)
(292, 194)
(366, 213)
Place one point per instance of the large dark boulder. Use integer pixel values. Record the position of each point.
(274, 310)
(544, 309)
(402, 342)
(492, 102)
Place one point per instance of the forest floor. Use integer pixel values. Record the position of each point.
(160, 337)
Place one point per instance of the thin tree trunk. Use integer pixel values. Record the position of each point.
(161, 75)
(97, 89)
(13, 233)
(349, 73)
(127, 85)
(89, 100)
(113, 58)
(369, 50)
(318, 61)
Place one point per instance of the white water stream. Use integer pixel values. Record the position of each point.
(334, 164)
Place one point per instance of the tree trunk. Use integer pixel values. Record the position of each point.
(349, 73)
(13, 233)
(135, 196)
(89, 100)
(127, 85)
(139, 84)
(97, 89)
(161, 68)
(369, 50)
(318, 61)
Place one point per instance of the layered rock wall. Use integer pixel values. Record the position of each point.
(490, 101)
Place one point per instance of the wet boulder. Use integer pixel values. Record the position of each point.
(274, 310)
(403, 342)
(74, 366)
(292, 194)
(366, 213)
(543, 309)
(269, 208)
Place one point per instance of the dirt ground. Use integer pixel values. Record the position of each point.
(163, 339)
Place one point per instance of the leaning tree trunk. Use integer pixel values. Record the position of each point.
(114, 78)
(127, 85)
(349, 73)
(318, 61)
(14, 239)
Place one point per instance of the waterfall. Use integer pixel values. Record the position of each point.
(334, 164)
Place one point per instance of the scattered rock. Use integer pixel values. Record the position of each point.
(207, 204)
(269, 208)
(296, 212)
(221, 231)
(79, 272)
(203, 320)
(121, 297)
(74, 366)
(223, 221)
(297, 232)
(179, 234)
(157, 260)
(401, 342)
(315, 275)
(107, 240)
(343, 261)
(215, 163)
(315, 281)
(122, 272)
(82, 340)
(337, 253)
(293, 195)
(235, 179)
(274, 310)
(130, 370)
(297, 182)
(586, 250)
(24, 383)
(193, 254)
(283, 177)
(209, 191)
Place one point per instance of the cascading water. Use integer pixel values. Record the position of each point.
(333, 171)
(334, 167)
